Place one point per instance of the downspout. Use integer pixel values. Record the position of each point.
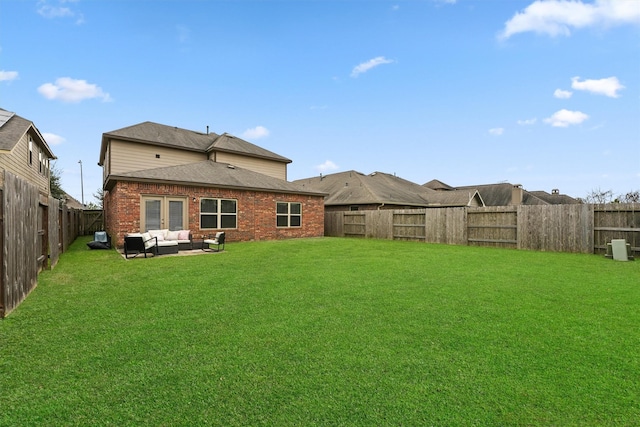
(381, 206)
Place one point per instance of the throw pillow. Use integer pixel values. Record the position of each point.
(157, 233)
(183, 235)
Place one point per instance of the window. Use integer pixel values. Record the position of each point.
(288, 214)
(30, 150)
(218, 213)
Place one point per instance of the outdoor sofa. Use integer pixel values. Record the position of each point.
(158, 242)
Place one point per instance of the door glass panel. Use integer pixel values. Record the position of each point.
(152, 215)
(175, 215)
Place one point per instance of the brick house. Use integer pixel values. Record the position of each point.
(158, 176)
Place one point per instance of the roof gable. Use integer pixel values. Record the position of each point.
(455, 198)
(13, 127)
(435, 184)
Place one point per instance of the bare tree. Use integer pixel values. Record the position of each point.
(630, 197)
(599, 196)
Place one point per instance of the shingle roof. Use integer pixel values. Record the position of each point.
(555, 198)
(215, 174)
(435, 184)
(233, 144)
(14, 127)
(158, 134)
(356, 188)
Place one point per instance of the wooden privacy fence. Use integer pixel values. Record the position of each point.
(558, 228)
(92, 221)
(34, 230)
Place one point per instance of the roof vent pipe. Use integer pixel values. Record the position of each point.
(207, 129)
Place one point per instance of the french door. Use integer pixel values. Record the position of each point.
(159, 212)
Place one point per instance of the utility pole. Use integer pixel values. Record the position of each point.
(81, 183)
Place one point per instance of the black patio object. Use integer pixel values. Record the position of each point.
(217, 241)
(137, 245)
(101, 240)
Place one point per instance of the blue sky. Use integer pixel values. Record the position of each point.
(541, 93)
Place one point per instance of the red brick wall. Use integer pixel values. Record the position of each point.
(256, 211)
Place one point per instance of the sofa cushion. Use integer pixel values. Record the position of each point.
(160, 234)
(146, 236)
(183, 235)
(173, 235)
(165, 243)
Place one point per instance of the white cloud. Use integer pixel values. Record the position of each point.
(608, 87)
(527, 122)
(372, 63)
(562, 94)
(52, 11)
(53, 139)
(72, 90)
(559, 17)
(327, 166)
(256, 133)
(8, 75)
(564, 118)
(496, 131)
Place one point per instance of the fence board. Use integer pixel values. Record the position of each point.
(355, 224)
(54, 231)
(493, 226)
(380, 224)
(560, 228)
(20, 238)
(556, 228)
(333, 224)
(446, 225)
(30, 236)
(617, 221)
(406, 224)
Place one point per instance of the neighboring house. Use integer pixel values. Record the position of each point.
(24, 152)
(158, 176)
(72, 202)
(555, 198)
(506, 194)
(353, 191)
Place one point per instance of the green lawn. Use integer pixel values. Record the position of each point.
(324, 332)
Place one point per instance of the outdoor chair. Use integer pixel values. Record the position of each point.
(101, 240)
(137, 245)
(217, 241)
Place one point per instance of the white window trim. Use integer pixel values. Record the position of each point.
(219, 214)
(288, 215)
